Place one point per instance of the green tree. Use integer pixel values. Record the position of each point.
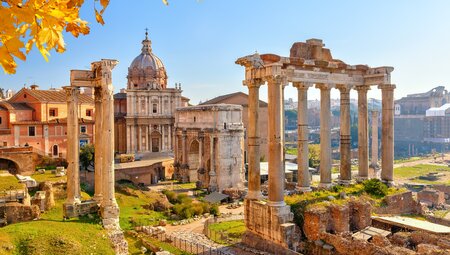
(87, 156)
(314, 155)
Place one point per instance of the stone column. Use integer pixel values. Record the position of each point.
(363, 133)
(128, 139)
(110, 209)
(212, 172)
(170, 138)
(253, 139)
(304, 178)
(73, 147)
(374, 161)
(163, 137)
(387, 133)
(325, 134)
(98, 171)
(275, 137)
(345, 170)
(139, 137)
(146, 138)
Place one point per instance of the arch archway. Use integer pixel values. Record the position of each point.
(193, 157)
(9, 165)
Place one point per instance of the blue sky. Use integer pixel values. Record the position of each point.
(198, 41)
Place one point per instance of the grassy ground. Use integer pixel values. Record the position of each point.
(10, 183)
(52, 235)
(232, 230)
(405, 160)
(48, 176)
(132, 203)
(413, 172)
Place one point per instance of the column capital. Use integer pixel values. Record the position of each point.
(325, 86)
(253, 83)
(276, 79)
(344, 88)
(362, 88)
(71, 93)
(387, 86)
(302, 85)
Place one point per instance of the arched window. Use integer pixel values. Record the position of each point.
(55, 150)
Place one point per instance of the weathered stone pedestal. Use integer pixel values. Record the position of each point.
(110, 216)
(270, 228)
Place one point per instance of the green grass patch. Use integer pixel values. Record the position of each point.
(291, 151)
(227, 232)
(52, 235)
(47, 176)
(10, 183)
(406, 160)
(441, 213)
(132, 203)
(413, 172)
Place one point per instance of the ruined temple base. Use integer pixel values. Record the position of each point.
(110, 217)
(270, 228)
(79, 209)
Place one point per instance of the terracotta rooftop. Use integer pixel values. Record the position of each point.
(54, 96)
(220, 99)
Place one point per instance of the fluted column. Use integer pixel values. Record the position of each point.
(303, 176)
(345, 171)
(275, 137)
(128, 139)
(212, 172)
(374, 159)
(253, 139)
(140, 137)
(98, 171)
(73, 147)
(363, 133)
(387, 133)
(325, 134)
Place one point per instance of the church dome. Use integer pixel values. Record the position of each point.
(147, 58)
(147, 70)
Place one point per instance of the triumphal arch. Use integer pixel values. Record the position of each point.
(309, 65)
(100, 79)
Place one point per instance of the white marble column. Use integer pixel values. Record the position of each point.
(275, 137)
(363, 133)
(387, 133)
(98, 171)
(129, 150)
(253, 139)
(163, 137)
(73, 147)
(303, 175)
(212, 172)
(345, 170)
(325, 134)
(170, 138)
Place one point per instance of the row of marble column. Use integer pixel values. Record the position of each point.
(103, 144)
(143, 105)
(276, 136)
(145, 131)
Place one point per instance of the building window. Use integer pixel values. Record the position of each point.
(31, 131)
(53, 112)
(55, 150)
(5, 144)
(0, 120)
(89, 112)
(83, 129)
(155, 108)
(195, 119)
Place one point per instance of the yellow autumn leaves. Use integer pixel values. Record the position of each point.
(40, 23)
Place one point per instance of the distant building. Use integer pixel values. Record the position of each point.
(421, 122)
(290, 104)
(38, 118)
(241, 99)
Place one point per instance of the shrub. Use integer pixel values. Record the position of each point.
(375, 188)
(171, 196)
(214, 210)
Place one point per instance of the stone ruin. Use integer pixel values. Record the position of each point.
(100, 79)
(309, 63)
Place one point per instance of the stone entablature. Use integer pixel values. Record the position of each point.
(209, 146)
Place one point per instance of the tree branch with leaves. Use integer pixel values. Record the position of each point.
(40, 23)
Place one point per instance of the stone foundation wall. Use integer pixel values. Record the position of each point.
(269, 225)
(399, 204)
(431, 197)
(16, 212)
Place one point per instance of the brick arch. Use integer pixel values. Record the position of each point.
(24, 158)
